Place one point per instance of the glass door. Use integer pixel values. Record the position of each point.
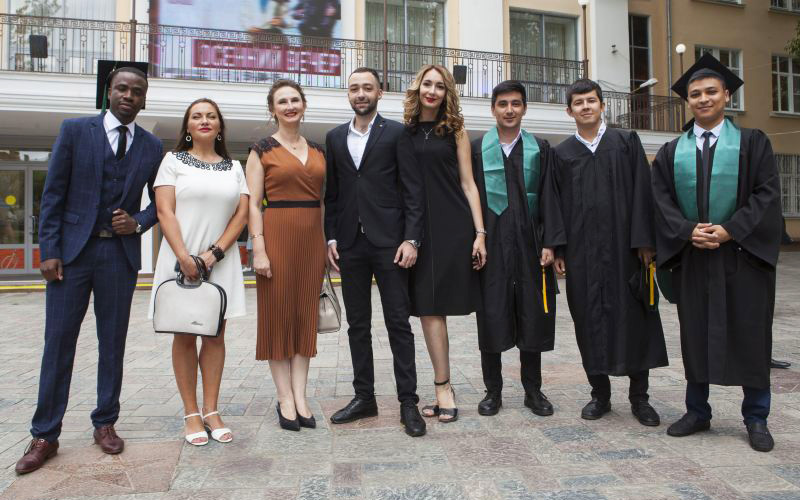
(20, 199)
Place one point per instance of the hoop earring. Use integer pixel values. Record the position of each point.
(219, 137)
(188, 138)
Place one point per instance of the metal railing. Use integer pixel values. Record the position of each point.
(73, 46)
(643, 111)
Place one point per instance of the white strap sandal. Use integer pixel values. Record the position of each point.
(216, 434)
(190, 438)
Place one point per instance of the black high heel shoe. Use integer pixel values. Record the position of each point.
(450, 414)
(307, 422)
(285, 423)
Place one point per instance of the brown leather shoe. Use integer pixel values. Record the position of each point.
(108, 440)
(36, 454)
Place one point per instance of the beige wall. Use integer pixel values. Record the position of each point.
(751, 28)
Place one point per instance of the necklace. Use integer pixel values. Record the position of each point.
(427, 132)
(293, 146)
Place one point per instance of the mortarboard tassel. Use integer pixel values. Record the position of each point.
(544, 291)
(650, 272)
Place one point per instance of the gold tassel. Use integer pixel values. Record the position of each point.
(544, 291)
(650, 272)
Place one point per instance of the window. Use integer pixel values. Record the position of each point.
(785, 4)
(639, 40)
(412, 22)
(785, 84)
(789, 170)
(540, 35)
(733, 61)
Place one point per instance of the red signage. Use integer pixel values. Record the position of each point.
(279, 58)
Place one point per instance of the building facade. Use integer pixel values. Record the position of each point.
(197, 49)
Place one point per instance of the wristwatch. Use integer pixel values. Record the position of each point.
(415, 243)
(138, 228)
(217, 252)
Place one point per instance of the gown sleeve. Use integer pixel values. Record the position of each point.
(642, 231)
(673, 230)
(555, 234)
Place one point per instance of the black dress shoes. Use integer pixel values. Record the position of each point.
(307, 422)
(595, 409)
(774, 363)
(760, 438)
(412, 420)
(688, 425)
(538, 404)
(355, 410)
(645, 413)
(285, 423)
(490, 404)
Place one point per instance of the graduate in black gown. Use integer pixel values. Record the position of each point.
(717, 195)
(600, 194)
(444, 281)
(517, 284)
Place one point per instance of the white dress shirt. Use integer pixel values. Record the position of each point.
(592, 145)
(508, 148)
(357, 142)
(699, 131)
(110, 123)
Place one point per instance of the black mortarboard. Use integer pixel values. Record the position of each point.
(104, 70)
(707, 66)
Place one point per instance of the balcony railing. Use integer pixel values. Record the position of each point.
(643, 111)
(74, 45)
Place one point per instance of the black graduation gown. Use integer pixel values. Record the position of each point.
(726, 296)
(604, 203)
(512, 310)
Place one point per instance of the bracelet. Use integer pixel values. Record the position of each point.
(217, 252)
(254, 236)
(481, 231)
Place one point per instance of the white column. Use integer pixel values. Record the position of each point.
(480, 25)
(609, 55)
(348, 22)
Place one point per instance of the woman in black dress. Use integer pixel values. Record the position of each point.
(444, 281)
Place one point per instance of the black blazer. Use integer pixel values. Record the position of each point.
(387, 192)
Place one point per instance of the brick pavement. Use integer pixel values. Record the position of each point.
(514, 455)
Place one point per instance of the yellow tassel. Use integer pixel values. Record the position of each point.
(651, 271)
(544, 291)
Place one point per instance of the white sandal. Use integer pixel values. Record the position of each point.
(197, 435)
(216, 434)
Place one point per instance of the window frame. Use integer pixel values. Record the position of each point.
(789, 173)
(543, 32)
(790, 75)
(405, 21)
(736, 70)
(791, 5)
(649, 48)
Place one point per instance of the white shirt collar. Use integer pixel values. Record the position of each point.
(699, 131)
(353, 129)
(592, 145)
(110, 122)
(508, 148)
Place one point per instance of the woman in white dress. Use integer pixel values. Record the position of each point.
(202, 202)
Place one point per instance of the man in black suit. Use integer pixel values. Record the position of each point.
(374, 208)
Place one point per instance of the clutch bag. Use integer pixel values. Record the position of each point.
(190, 308)
(330, 312)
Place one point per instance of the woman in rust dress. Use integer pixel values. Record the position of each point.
(288, 250)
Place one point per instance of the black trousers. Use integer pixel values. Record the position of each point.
(101, 269)
(637, 392)
(357, 264)
(530, 371)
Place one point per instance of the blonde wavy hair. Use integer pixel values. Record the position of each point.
(449, 119)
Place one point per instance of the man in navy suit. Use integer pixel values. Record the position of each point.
(89, 239)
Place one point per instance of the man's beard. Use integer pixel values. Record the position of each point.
(371, 106)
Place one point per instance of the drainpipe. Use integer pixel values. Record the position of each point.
(669, 44)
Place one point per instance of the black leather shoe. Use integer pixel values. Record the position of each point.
(490, 404)
(760, 438)
(774, 363)
(307, 422)
(539, 404)
(688, 425)
(285, 423)
(355, 410)
(645, 413)
(595, 409)
(412, 420)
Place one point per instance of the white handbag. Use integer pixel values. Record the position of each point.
(190, 308)
(330, 312)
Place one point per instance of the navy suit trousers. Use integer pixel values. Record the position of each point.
(101, 268)
(755, 404)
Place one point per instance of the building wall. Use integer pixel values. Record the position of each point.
(609, 61)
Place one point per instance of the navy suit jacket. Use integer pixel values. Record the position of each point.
(71, 194)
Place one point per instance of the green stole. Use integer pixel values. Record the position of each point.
(494, 172)
(724, 180)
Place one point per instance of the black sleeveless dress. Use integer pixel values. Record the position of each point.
(442, 282)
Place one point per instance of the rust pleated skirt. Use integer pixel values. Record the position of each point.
(288, 303)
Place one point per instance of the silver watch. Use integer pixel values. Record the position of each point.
(138, 229)
(414, 242)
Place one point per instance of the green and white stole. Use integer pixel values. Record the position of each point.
(494, 172)
(724, 180)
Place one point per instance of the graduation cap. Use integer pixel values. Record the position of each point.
(104, 70)
(707, 67)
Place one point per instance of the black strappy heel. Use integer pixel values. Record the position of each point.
(437, 411)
